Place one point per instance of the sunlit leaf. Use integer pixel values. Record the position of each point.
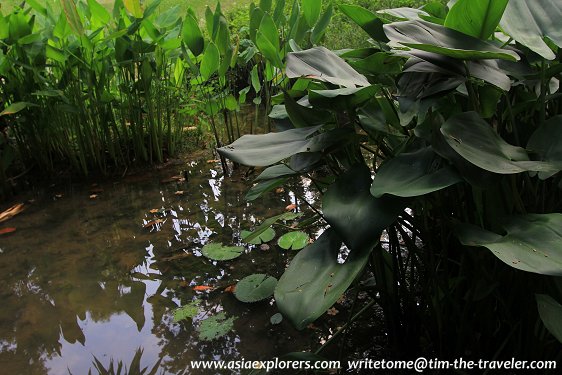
(533, 242)
(293, 240)
(217, 251)
(366, 19)
(69, 8)
(478, 18)
(311, 10)
(255, 287)
(134, 7)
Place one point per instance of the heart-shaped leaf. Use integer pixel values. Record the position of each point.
(533, 242)
(217, 251)
(293, 240)
(255, 287)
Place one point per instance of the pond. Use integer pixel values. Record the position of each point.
(95, 271)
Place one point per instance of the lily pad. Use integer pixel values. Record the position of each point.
(276, 319)
(216, 326)
(293, 240)
(265, 236)
(216, 251)
(255, 287)
(187, 311)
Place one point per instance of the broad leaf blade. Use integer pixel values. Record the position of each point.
(528, 22)
(366, 19)
(357, 216)
(311, 10)
(210, 62)
(430, 37)
(550, 312)
(478, 18)
(192, 36)
(413, 174)
(315, 280)
(533, 242)
(322, 64)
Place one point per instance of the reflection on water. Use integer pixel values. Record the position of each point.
(100, 277)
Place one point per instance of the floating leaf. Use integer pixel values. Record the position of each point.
(216, 326)
(293, 240)
(290, 207)
(153, 223)
(230, 288)
(217, 251)
(533, 242)
(265, 236)
(276, 318)
(255, 287)
(187, 311)
(550, 312)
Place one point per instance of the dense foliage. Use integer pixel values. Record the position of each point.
(455, 111)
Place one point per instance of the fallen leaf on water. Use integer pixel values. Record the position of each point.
(7, 230)
(202, 288)
(93, 196)
(333, 311)
(264, 247)
(177, 178)
(179, 192)
(290, 207)
(184, 284)
(154, 211)
(210, 161)
(153, 222)
(58, 196)
(176, 257)
(279, 190)
(230, 288)
(11, 212)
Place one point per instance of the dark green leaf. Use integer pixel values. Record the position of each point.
(366, 19)
(266, 236)
(438, 39)
(255, 288)
(476, 141)
(550, 312)
(545, 143)
(311, 10)
(268, 223)
(478, 18)
(533, 242)
(413, 174)
(357, 216)
(301, 116)
(315, 280)
(192, 35)
(322, 25)
(210, 62)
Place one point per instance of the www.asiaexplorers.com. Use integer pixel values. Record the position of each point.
(420, 365)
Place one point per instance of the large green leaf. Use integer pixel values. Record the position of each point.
(267, 40)
(255, 287)
(476, 141)
(302, 116)
(550, 312)
(357, 216)
(267, 149)
(69, 8)
(322, 25)
(533, 242)
(268, 223)
(530, 21)
(192, 36)
(366, 19)
(413, 174)
(545, 143)
(322, 64)
(478, 18)
(210, 62)
(430, 37)
(311, 10)
(315, 279)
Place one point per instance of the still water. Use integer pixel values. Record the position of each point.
(97, 270)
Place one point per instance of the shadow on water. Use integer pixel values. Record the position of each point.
(100, 276)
